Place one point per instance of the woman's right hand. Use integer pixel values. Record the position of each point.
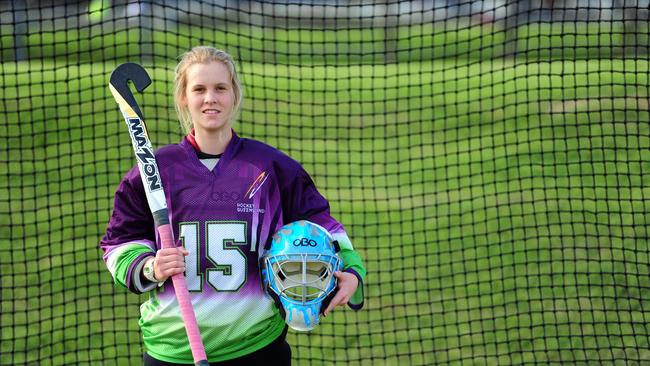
(169, 261)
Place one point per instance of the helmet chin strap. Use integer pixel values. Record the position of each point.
(277, 301)
(328, 299)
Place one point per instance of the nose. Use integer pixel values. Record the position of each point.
(210, 97)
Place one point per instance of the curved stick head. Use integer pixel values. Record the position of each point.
(120, 82)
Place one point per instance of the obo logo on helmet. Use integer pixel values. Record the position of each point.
(304, 242)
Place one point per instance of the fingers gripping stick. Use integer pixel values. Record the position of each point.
(119, 86)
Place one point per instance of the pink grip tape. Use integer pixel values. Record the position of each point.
(183, 296)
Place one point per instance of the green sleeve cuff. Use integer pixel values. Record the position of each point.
(352, 263)
(126, 262)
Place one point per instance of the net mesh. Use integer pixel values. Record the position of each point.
(490, 160)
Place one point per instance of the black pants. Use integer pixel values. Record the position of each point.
(277, 353)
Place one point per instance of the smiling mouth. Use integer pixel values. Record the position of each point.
(211, 111)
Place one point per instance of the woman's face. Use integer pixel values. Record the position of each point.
(209, 97)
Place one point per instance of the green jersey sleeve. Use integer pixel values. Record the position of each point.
(122, 262)
(352, 263)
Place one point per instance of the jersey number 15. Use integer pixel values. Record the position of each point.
(224, 240)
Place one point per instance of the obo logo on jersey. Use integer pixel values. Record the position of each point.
(144, 152)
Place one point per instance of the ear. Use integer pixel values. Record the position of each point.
(182, 100)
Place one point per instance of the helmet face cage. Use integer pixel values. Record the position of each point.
(298, 272)
(303, 277)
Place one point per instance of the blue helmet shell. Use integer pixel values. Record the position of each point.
(298, 272)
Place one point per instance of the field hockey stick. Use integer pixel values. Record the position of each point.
(119, 85)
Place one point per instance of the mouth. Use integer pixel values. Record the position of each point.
(211, 111)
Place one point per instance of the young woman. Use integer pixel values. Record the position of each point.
(226, 196)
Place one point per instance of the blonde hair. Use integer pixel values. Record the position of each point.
(203, 55)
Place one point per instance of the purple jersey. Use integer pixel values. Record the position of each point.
(223, 217)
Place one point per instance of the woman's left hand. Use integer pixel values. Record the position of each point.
(347, 285)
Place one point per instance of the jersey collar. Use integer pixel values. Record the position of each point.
(190, 142)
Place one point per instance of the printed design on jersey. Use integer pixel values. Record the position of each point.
(257, 184)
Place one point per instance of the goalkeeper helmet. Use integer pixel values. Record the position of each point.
(298, 272)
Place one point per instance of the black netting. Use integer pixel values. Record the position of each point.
(490, 160)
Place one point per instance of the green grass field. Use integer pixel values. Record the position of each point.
(500, 206)
(457, 39)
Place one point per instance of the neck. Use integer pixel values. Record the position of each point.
(213, 142)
